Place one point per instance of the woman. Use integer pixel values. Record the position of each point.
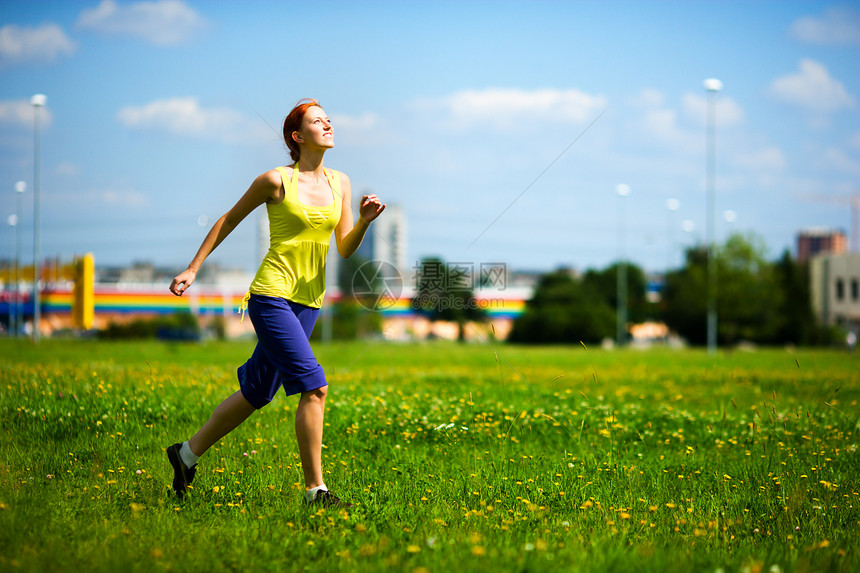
(306, 203)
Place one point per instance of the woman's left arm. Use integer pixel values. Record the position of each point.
(347, 236)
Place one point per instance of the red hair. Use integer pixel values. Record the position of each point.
(293, 122)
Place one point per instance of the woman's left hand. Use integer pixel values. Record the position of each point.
(371, 207)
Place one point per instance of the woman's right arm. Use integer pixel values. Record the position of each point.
(261, 190)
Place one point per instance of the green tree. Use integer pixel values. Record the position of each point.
(749, 296)
(564, 310)
(445, 292)
(362, 296)
(350, 321)
(797, 324)
(347, 279)
(605, 284)
(685, 303)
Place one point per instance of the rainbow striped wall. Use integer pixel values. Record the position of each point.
(110, 300)
(113, 300)
(494, 307)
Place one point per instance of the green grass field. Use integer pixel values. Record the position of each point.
(458, 457)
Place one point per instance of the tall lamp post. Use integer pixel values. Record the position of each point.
(38, 101)
(672, 205)
(712, 86)
(623, 191)
(20, 188)
(13, 222)
(688, 225)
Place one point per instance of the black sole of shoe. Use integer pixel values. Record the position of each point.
(178, 474)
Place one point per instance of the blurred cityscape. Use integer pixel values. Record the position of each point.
(399, 299)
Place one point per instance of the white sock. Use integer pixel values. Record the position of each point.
(187, 456)
(312, 493)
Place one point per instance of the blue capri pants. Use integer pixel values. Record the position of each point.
(283, 356)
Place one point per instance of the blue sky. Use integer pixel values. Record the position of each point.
(501, 128)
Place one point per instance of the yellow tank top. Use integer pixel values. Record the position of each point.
(299, 236)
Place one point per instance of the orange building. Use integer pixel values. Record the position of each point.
(811, 242)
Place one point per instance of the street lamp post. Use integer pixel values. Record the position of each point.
(20, 188)
(729, 217)
(712, 86)
(672, 205)
(623, 191)
(13, 222)
(688, 225)
(38, 101)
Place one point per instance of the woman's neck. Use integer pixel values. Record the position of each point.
(311, 162)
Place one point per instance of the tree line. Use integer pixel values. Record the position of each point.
(759, 301)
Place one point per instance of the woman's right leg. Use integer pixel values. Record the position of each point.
(309, 432)
(227, 416)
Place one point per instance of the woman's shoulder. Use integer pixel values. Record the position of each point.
(267, 184)
(273, 176)
(344, 178)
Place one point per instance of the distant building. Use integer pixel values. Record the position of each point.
(814, 241)
(835, 289)
(386, 240)
(139, 272)
(523, 279)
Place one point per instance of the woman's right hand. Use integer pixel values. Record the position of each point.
(182, 281)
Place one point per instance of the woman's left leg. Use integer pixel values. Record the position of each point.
(234, 410)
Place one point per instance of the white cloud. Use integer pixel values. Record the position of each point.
(647, 97)
(854, 141)
(42, 44)
(836, 159)
(667, 125)
(122, 197)
(19, 113)
(767, 159)
(663, 124)
(812, 88)
(363, 122)
(359, 130)
(162, 22)
(113, 196)
(68, 169)
(727, 112)
(185, 117)
(505, 108)
(835, 26)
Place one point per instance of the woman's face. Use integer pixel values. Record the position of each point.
(316, 129)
